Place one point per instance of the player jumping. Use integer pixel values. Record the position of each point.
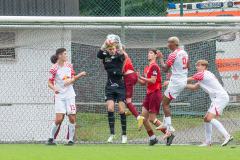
(151, 105)
(113, 61)
(61, 80)
(178, 62)
(130, 80)
(219, 97)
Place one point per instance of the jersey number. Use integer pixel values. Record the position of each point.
(73, 107)
(185, 62)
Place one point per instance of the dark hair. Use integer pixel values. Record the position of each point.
(155, 51)
(60, 50)
(54, 57)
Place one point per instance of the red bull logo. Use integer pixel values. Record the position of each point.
(65, 77)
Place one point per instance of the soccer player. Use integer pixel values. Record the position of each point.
(219, 97)
(151, 105)
(130, 80)
(61, 82)
(113, 61)
(179, 64)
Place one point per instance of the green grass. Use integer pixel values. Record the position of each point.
(115, 152)
(236, 136)
(94, 127)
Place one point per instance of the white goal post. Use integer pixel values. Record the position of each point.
(111, 20)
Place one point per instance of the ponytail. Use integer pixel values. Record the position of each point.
(54, 57)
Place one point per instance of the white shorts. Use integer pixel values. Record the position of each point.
(65, 106)
(218, 104)
(174, 89)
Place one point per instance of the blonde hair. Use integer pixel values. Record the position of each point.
(112, 47)
(174, 39)
(202, 62)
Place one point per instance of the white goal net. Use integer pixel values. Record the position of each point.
(27, 43)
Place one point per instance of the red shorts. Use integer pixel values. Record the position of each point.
(130, 81)
(152, 101)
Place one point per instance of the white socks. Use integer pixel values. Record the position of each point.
(168, 122)
(53, 130)
(220, 127)
(208, 132)
(71, 130)
(152, 137)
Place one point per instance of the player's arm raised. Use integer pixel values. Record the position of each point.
(101, 54)
(165, 66)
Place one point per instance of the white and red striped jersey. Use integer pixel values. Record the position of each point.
(58, 76)
(210, 84)
(178, 61)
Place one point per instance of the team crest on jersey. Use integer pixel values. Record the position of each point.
(154, 73)
(65, 77)
(107, 59)
(112, 57)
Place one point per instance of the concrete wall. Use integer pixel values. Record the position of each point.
(27, 109)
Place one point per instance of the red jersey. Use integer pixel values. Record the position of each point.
(153, 70)
(128, 65)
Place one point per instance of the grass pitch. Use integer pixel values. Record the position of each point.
(116, 152)
(94, 127)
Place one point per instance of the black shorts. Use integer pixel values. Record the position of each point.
(115, 92)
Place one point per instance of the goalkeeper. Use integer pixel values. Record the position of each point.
(113, 61)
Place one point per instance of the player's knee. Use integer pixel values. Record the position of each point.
(72, 119)
(207, 119)
(165, 101)
(152, 118)
(121, 110)
(58, 121)
(121, 107)
(165, 104)
(110, 109)
(145, 120)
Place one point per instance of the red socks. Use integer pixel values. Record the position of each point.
(133, 109)
(150, 133)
